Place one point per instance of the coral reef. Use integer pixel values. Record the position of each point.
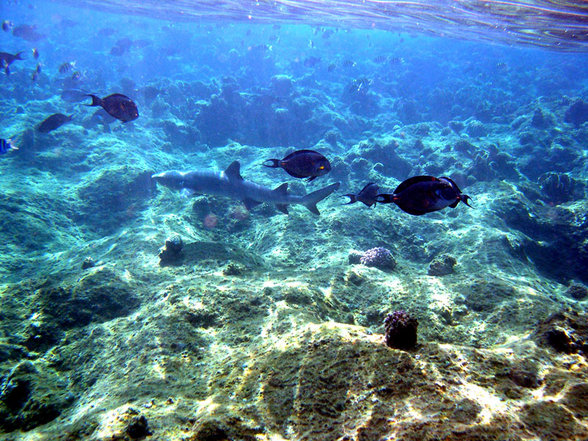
(171, 252)
(378, 257)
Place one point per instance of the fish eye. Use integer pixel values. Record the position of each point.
(322, 167)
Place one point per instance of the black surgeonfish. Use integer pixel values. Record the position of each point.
(424, 194)
(367, 195)
(302, 164)
(117, 105)
(7, 59)
(53, 122)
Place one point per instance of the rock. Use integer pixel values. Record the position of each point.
(171, 253)
(88, 263)
(577, 291)
(354, 257)
(233, 269)
(138, 427)
(557, 188)
(576, 399)
(97, 297)
(565, 331)
(31, 396)
(442, 266)
(577, 113)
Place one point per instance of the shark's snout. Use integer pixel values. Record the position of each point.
(171, 178)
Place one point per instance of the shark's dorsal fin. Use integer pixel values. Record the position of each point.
(282, 189)
(233, 171)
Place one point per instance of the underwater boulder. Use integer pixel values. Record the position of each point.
(557, 188)
(577, 113)
(97, 297)
(113, 197)
(31, 395)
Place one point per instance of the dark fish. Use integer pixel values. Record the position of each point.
(349, 63)
(331, 67)
(380, 59)
(36, 73)
(121, 46)
(117, 105)
(106, 32)
(328, 33)
(311, 61)
(367, 195)
(76, 75)
(6, 145)
(7, 59)
(35, 53)
(424, 194)
(360, 86)
(67, 67)
(28, 33)
(53, 122)
(302, 164)
(7, 25)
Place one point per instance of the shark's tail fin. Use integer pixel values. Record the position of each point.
(311, 199)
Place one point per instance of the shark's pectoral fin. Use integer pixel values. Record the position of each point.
(282, 207)
(233, 171)
(250, 203)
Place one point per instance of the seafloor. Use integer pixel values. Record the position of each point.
(262, 329)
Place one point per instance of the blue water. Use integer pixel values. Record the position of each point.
(491, 94)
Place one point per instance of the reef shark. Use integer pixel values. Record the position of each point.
(230, 183)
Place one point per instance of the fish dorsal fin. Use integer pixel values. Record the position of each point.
(452, 183)
(414, 180)
(282, 189)
(117, 95)
(296, 153)
(233, 171)
(366, 186)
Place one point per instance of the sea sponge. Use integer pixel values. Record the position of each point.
(401, 330)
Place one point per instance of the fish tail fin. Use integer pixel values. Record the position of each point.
(465, 199)
(273, 163)
(96, 101)
(10, 143)
(18, 55)
(385, 198)
(352, 198)
(311, 199)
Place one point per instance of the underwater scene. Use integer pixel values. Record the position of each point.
(293, 220)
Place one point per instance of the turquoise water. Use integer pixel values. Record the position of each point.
(131, 309)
